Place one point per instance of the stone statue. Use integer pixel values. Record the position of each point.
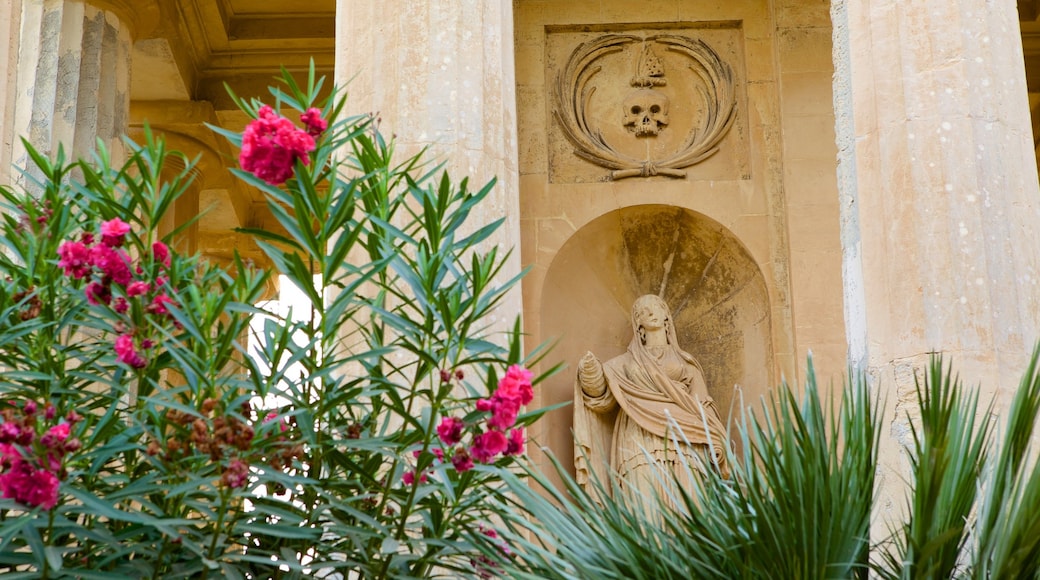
(629, 406)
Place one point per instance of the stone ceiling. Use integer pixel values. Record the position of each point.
(197, 47)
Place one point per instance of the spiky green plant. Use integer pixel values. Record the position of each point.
(801, 497)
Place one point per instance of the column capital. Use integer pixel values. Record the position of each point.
(141, 17)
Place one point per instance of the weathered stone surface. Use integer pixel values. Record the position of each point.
(940, 201)
(770, 192)
(440, 76)
(73, 79)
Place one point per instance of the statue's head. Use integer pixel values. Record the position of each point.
(650, 312)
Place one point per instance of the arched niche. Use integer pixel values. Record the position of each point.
(713, 286)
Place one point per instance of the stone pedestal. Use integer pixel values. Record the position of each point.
(73, 78)
(440, 75)
(939, 195)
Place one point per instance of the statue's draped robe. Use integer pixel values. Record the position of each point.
(652, 393)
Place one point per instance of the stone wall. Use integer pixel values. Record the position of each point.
(743, 244)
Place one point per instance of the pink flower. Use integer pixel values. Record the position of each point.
(158, 305)
(487, 446)
(121, 305)
(503, 412)
(516, 442)
(161, 253)
(49, 412)
(271, 145)
(436, 453)
(8, 455)
(409, 478)
(29, 408)
(9, 432)
(450, 430)
(491, 533)
(137, 288)
(283, 425)
(126, 354)
(55, 436)
(98, 293)
(313, 121)
(30, 486)
(113, 231)
(74, 258)
(114, 264)
(462, 460)
(516, 384)
(236, 474)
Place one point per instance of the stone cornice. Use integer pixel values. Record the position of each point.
(140, 16)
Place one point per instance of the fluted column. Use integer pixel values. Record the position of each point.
(440, 75)
(10, 19)
(939, 194)
(73, 77)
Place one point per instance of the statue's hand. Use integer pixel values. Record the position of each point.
(590, 375)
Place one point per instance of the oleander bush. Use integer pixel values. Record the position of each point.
(141, 437)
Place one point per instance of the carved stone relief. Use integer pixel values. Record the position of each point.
(643, 105)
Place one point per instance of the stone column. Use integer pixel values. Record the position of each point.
(939, 195)
(73, 74)
(441, 75)
(10, 18)
(184, 209)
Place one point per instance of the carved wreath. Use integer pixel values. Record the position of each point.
(572, 94)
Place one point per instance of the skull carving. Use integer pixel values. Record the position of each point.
(646, 112)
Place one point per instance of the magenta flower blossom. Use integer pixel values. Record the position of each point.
(98, 293)
(161, 253)
(450, 430)
(271, 145)
(114, 264)
(127, 354)
(283, 425)
(158, 305)
(55, 436)
(137, 288)
(462, 460)
(516, 384)
(503, 412)
(113, 232)
(236, 475)
(9, 433)
(74, 258)
(488, 445)
(313, 121)
(29, 486)
(409, 478)
(516, 442)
